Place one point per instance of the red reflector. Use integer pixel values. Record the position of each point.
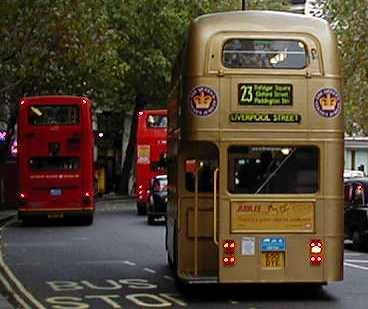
(229, 246)
(229, 260)
(315, 251)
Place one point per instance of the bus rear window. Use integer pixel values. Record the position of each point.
(264, 54)
(273, 169)
(53, 114)
(156, 121)
(54, 163)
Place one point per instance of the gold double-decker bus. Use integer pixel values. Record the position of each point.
(255, 151)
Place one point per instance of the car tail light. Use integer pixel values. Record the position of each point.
(87, 198)
(22, 198)
(229, 260)
(316, 252)
(229, 246)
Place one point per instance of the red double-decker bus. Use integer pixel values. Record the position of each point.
(151, 147)
(55, 158)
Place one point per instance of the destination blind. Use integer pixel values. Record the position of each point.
(265, 94)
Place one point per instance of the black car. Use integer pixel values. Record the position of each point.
(157, 202)
(356, 211)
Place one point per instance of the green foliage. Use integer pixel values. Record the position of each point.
(349, 20)
(57, 47)
(109, 50)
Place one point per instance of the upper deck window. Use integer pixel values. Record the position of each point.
(53, 114)
(156, 121)
(264, 54)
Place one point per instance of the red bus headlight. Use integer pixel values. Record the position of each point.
(315, 252)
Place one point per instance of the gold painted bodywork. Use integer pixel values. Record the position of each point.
(189, 136)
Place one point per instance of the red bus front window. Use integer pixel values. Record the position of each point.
(53, 114)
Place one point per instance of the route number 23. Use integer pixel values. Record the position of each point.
(246, 94)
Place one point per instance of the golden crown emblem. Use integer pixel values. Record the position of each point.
(328, 103)
(202, 101)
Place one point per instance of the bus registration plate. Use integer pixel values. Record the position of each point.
(273, 260)
(55, 192)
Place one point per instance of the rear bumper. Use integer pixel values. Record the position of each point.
(54, 213)
(157, 209)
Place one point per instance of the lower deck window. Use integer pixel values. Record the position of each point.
(54, 163)
(273, 169)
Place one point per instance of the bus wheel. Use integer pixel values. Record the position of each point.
(151, 219)
(87, 219)
(26, 221)
(141, 209)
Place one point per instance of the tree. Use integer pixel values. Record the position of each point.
(56, 47)
(151, 33)
(350, 21)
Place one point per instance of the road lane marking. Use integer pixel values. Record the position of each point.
(7, 286)
(169, 278)
(105, 262)
(355, 266)
(352, 254)
(357, 261)
(129, 263)
(149, 270)
(28, 264)
(14, 280)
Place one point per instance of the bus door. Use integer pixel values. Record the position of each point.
(196, 207)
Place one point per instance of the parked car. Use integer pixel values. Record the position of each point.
(353, 173)
(157, 202)
(356, 211)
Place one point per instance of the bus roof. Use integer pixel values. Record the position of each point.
(253, 22)
(54, 98)
(159, 111)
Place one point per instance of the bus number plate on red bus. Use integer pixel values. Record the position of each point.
(55, 192)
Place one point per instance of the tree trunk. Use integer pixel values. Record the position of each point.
(130, 151)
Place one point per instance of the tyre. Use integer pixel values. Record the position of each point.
(87, 219)
(358, 241)
(141, 209)
(151, 219)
